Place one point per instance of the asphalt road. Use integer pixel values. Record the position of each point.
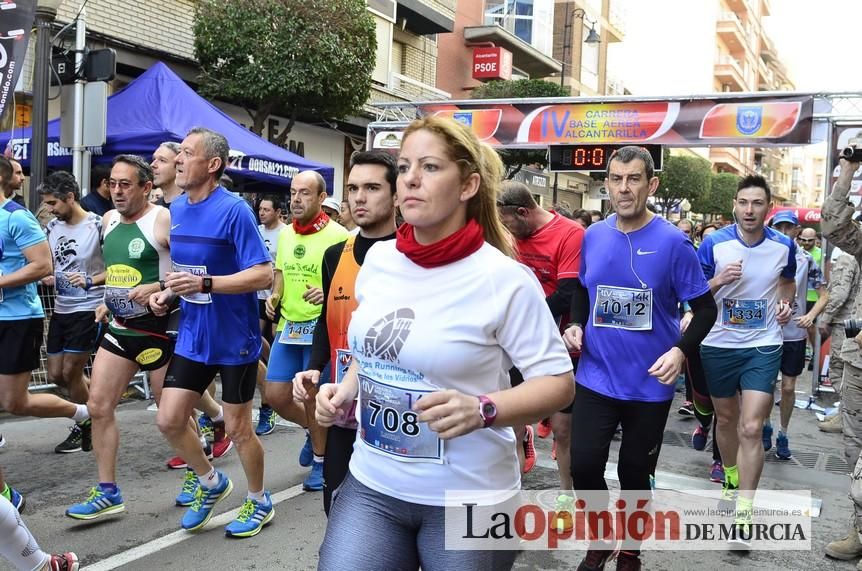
(147, 536)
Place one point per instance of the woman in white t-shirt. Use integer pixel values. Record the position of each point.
(444, 312)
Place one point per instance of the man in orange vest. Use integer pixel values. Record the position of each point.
(371, 199)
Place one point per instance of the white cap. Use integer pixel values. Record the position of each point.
(332, 203)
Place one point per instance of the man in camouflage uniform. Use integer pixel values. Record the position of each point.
(840, 229)
(843, 290)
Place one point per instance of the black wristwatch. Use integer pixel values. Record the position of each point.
(207, 285)
(162, 285)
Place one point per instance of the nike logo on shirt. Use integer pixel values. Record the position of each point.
(642, 253)
(175, 226)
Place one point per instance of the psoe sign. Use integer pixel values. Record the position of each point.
(492, 63)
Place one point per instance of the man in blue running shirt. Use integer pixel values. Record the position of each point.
(635, 269)
(219, 263)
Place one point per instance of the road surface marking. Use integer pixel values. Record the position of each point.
(156, 545)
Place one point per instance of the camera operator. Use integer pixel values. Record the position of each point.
(845, 233)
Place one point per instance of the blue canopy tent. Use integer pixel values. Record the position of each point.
(158, 106)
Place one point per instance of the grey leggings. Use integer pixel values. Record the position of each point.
(369, 531)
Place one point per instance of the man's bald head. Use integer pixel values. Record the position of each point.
(808, 238)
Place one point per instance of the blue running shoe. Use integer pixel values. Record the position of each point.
(207, 428)
(201, 510)
(782, 447)
(99, 503)
(16, 498)
(265, 421)
(306, 455)
(314, 481)
(186, 497)
(767, 437)
(253, 515)
(699, 438)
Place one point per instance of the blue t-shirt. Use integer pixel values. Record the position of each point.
(19, 230)
(217, 236)
(635, 283)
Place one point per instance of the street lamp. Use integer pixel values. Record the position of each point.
(592, 37)
(46, 12)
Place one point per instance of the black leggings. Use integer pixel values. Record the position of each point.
(594, 423)
(336, 460)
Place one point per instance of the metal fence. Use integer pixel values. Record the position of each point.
(40, 381)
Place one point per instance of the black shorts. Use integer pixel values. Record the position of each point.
(808, 305)
(793, 358)
(261, 312)
(516, 378)
(147, 351)
(21, 340)
(75, 332)
(237, 381)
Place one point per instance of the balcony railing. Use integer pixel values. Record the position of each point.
(414, 90)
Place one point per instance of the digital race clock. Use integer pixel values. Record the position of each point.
(591, 157)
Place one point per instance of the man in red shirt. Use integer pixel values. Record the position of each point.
(550, 245)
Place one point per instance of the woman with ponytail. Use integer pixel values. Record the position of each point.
(444, 312)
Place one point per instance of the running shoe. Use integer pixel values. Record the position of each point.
(206, 427)
(782, 447)
(86, 435)
(628, 561)
(767, 437)
(186, 497)
(72, 442)
(652, 482)
(529, 450)
(265, 421)
(177, 463)
(564, 508)
(716, 473)
(16, 498)
(314, 481)
(99, 503)
(63, 562)
(80, 438)
(740, 534)
(253, 515)
(201, 510)
(2, 441)
(729, 494)
(699, 438)
(687, 409)
(222, 444)
(306, 455)
(596, 558)
(544, 428)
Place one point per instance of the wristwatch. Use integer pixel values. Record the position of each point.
(487, 410)
(207, 285)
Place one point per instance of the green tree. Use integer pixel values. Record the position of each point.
(682, 178)
(305, 59)
(516, 159)
(719, 199)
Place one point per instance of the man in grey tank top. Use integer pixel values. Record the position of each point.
(74, 236)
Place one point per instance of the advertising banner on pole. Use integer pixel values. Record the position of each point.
(746, 121)
(16, 20)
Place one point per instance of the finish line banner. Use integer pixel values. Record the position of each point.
(749, 121)
(16, 19)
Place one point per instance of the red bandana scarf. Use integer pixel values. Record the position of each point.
(319, 223)
(450, 249)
